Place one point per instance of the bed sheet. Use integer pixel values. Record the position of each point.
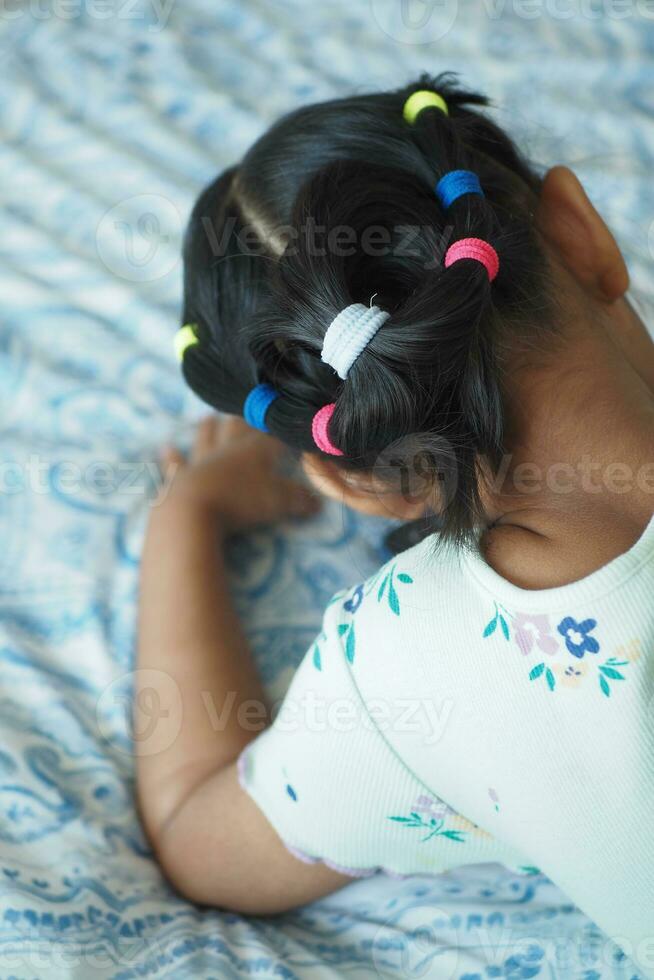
(110, 125)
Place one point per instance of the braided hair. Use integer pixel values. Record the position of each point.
(335, 205)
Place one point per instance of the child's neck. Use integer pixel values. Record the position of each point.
(580, 479)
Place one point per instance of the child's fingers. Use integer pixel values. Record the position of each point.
(235, 430)
(296, 499)
(234, 427)
(205, 437)
(171, 458)
(170, 462)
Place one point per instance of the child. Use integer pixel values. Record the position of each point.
(381, 273)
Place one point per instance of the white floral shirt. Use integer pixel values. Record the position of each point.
(444, 716)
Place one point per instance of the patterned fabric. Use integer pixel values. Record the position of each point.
(110, 125)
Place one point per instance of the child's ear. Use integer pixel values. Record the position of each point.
(358, 492)
(575, 230)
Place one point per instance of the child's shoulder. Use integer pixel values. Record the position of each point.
(414, 580)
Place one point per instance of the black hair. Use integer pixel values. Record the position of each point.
(277, 246)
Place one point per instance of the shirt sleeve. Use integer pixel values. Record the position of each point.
(334, 789)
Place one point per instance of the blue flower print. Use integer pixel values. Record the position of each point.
(351, 605)
(577, 637)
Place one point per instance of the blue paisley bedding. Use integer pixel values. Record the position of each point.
(112, 116)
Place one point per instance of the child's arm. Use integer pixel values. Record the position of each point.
(195, 671)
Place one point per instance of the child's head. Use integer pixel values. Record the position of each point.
(335, 205)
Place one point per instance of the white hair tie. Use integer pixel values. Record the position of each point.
(349, 333)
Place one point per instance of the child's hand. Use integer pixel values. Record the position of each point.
(232, 471)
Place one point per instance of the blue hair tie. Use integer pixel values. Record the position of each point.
(455, 184)
(257, 404)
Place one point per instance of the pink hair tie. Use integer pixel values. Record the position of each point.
(319, 425)
(477, 249)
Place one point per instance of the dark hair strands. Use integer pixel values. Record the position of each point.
(436, 366)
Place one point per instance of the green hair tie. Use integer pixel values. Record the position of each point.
(185, 338)
(420, 100)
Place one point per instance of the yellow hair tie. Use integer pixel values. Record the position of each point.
(185, 338)
(423, 100)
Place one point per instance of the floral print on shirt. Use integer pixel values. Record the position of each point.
(533, 633)
(430, 815)
(577, 636)
(392, 596)
(386, 583)
(351, 605)
(534, 630)
(347, 630)
(501, 618)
